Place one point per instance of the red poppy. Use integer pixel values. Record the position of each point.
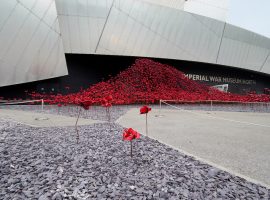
(109, 98)
(145, 110)
(130, 134)
(59, 105)
(105, 103)
(86, 104)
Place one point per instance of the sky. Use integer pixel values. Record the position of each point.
(252, 15)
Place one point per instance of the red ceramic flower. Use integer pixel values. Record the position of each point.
(145, 110)
(106, 103)
(109, 98)
(130, 134)
(59, 105)
(86, 104)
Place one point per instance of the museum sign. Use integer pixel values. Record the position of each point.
(220, 79)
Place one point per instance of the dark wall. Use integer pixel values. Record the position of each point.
(85, 70)
(247, 80)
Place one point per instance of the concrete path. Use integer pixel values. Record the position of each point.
(43, 120)
(237, 142)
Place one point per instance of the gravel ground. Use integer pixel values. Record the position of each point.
(46, 163)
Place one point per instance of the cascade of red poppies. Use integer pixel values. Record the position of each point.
(147, 81)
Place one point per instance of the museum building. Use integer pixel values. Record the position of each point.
(46, 45)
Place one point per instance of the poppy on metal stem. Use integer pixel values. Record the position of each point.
(106, 102)
(85, 105)
(145, 110)
(129, 135)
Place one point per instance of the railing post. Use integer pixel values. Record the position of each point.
(42, 104)
(159, 107)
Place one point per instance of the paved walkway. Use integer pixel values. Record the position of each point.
(237, 142)
(43, 120)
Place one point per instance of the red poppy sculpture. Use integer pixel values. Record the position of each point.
(129, 135)
(145, 110)
(107, 103)
(85, 105)
(149, 81)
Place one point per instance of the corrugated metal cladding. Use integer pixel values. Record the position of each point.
(35, 34)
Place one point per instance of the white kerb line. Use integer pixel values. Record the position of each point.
(221, 118)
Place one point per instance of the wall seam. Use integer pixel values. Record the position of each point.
(220, 42)
(104, 27)
(264, 61)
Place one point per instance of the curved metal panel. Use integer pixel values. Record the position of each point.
(41, 7)
(6, 11)
(20, 43)
(266, 66)
(243, 49)
(82, 23)
(51, 16)
(152, 29)
(176, 4)
(29, 33)
(28, 3)
(209, 8)
(64, 27)
(174, 30)
(11, 28)
(75, 43)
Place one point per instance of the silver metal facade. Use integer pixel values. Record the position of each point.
(35, 34)
(216, 9)
(31, 47)
(144, 28)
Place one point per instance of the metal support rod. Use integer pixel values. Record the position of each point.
(42, 105)
(146, 125)
(78, 136)
(131, 148)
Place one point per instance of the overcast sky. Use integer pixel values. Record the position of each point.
(252, 15)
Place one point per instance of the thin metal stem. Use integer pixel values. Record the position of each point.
(131, 148)
(109, 118)
(78, 136)
(146, 125)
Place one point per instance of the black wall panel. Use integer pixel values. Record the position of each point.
(85, 70)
